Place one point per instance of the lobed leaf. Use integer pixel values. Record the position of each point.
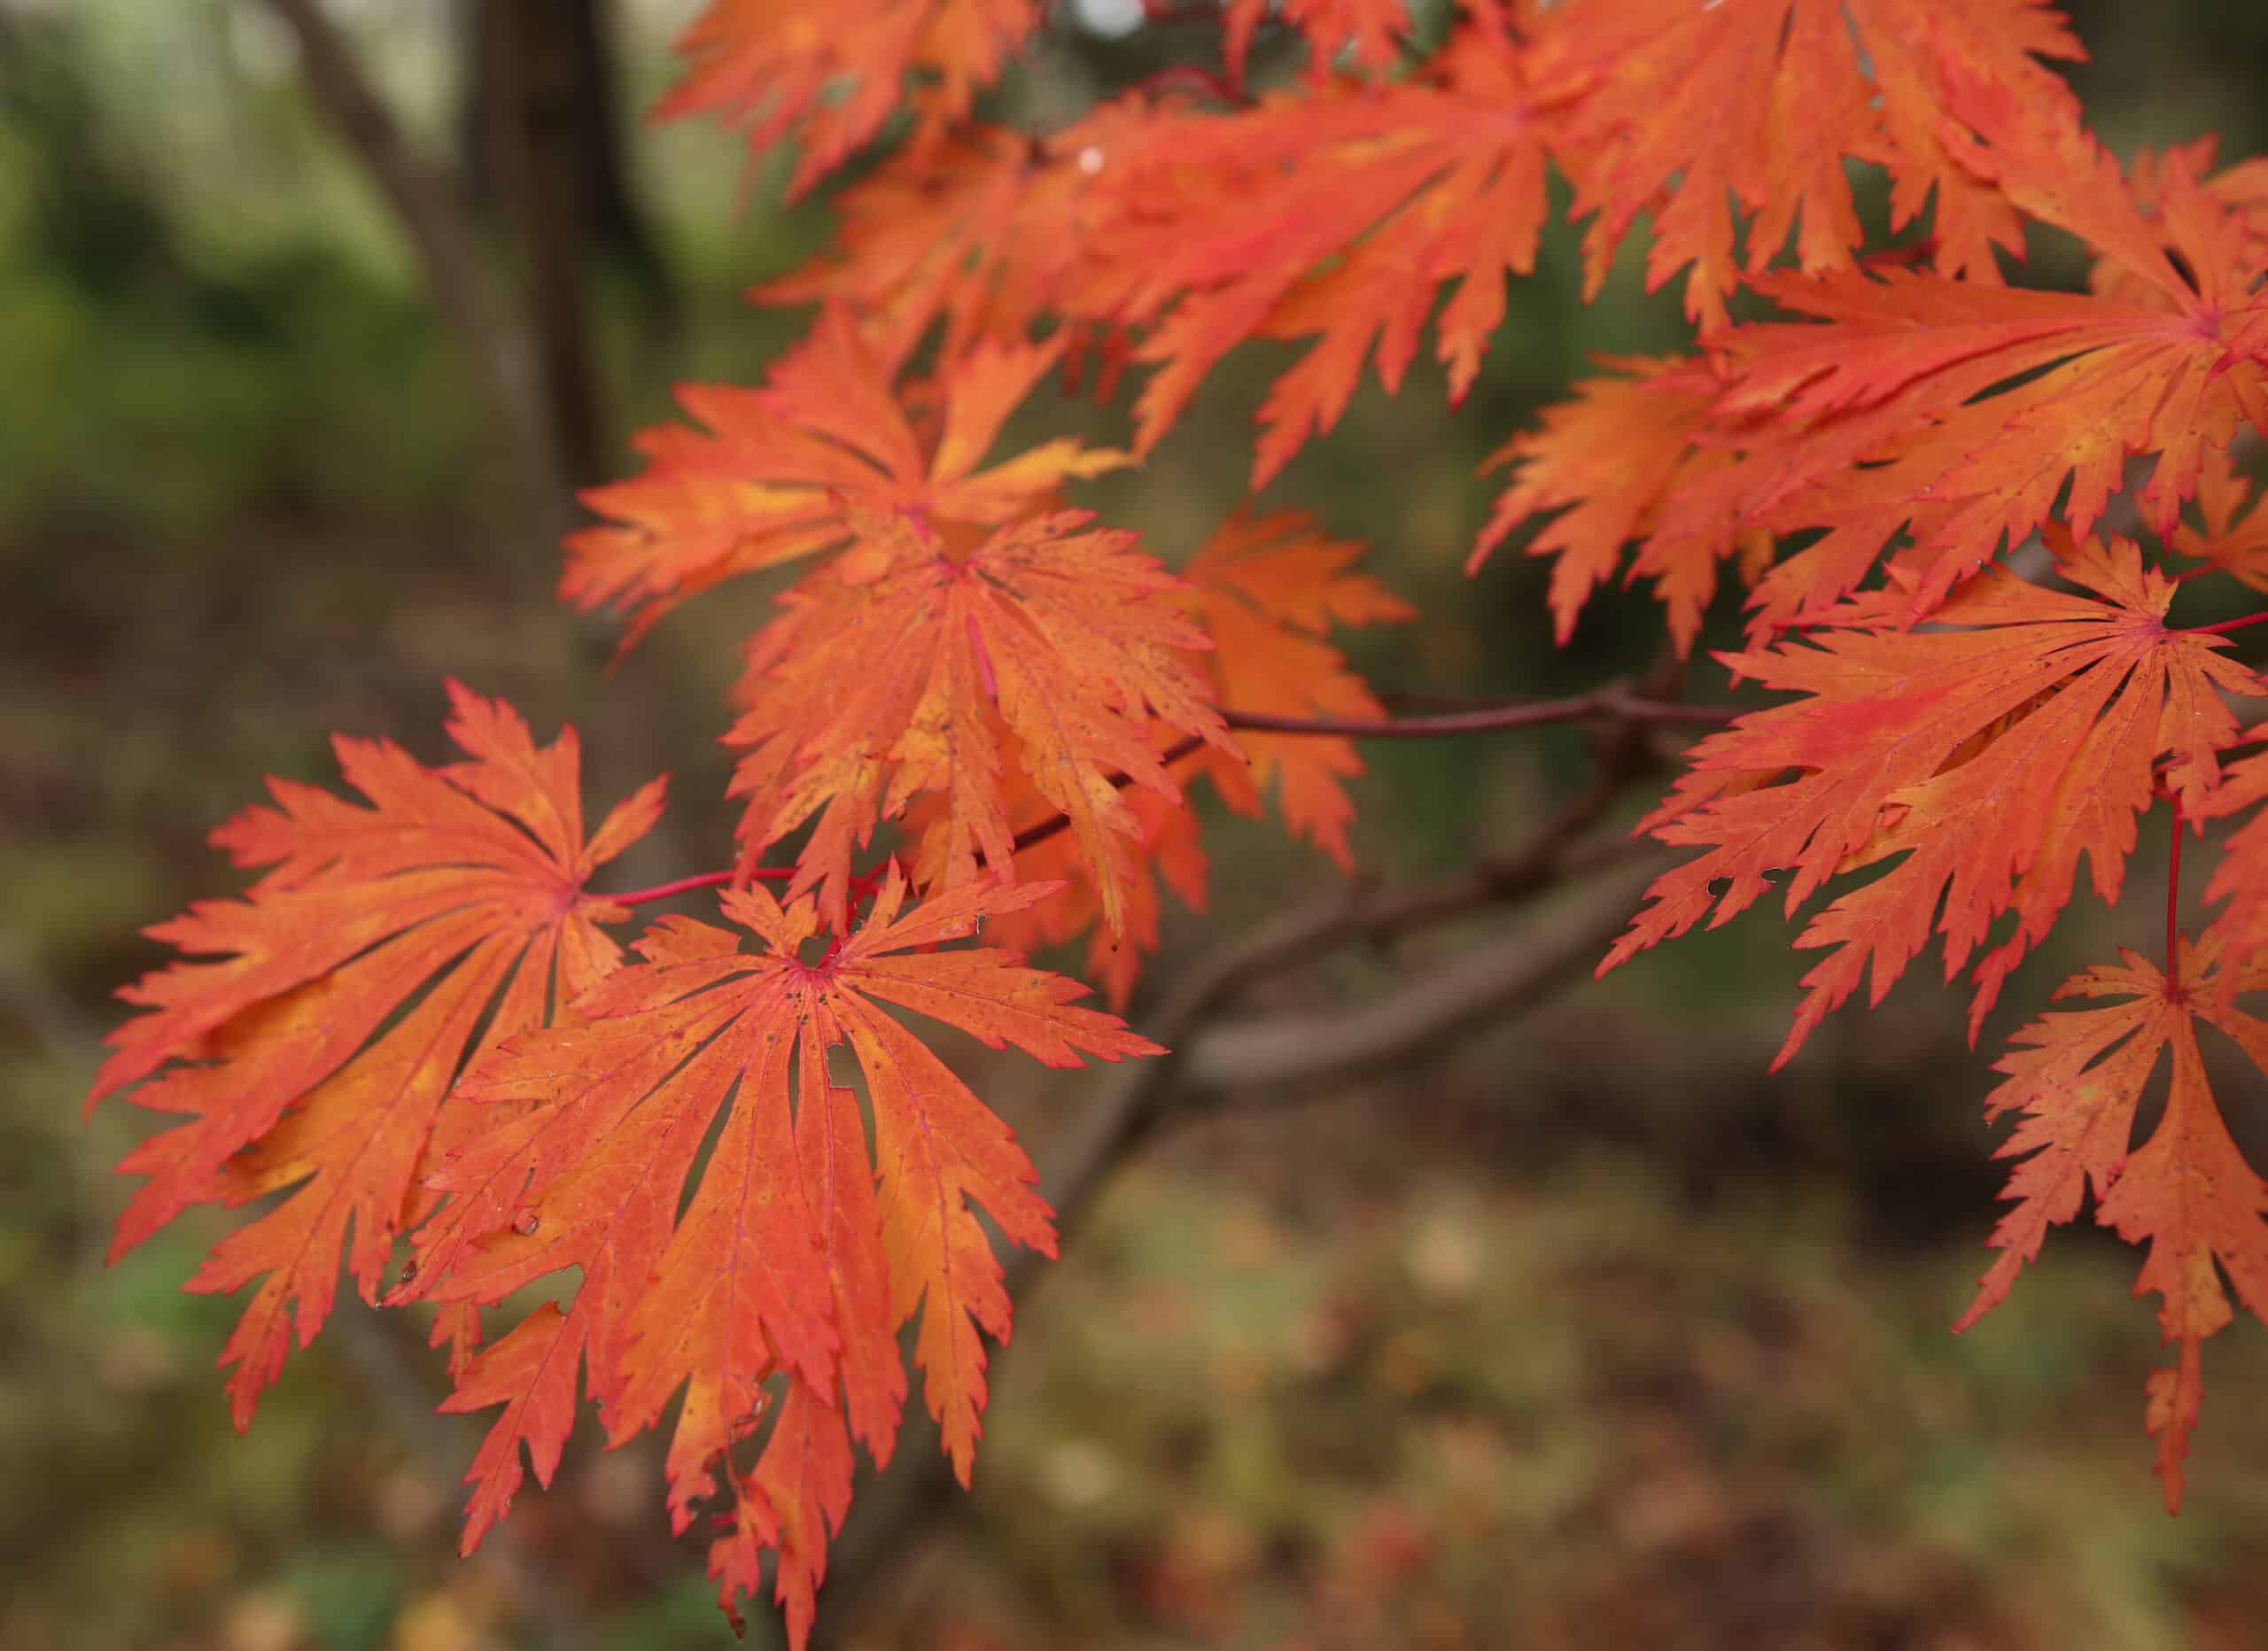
(793, 471)
(1983, 759)
(1334, 213)
(388, 945)
(1931, 421)
(935, 666)
(2075, 1080)
(1707, 115)
(802, 1248)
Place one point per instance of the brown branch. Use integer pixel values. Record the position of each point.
(490, 334)
(1511, 972)
(1138, 1098)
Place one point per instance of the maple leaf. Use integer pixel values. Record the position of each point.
(1269, 593)
(1943, 415)
(930, 665)
(1334, 214)
(1605, 465)
(1897, 372)
(2075, 1079)
(791, 1256)
(1170, 849)
(830, 73)
(1983, 758)
(2234, 533)
(458, 891)
(2241, 188)
(1701, 114)
(2240, 878)
(782, 470)
(988, 230)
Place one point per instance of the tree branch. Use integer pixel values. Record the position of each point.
(490, 335)
(1616, 702)
(1509, 973)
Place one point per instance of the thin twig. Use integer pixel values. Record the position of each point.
(1614, 703)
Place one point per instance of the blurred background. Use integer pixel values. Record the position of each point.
(1576, 1329)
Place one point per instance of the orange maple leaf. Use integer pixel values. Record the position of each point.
(1605, 465)
(927, 665)
(988, 230)
(2242, 188)
(2234, 536)
(791, 1257)
(1985, 757)
(1914, 410)
(1171, 849)
(783, 469)
(2240, 878)
(2075, 1079)
(459, 890)
(1336, 214)
(829, 73)
(1269, 593)
(1899, 374)
(1699, 113)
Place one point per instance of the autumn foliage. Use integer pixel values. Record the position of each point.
(1965, 510)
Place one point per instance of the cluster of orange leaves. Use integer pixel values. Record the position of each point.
(417, 1022)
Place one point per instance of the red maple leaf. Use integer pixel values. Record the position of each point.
(1901, 372)
(458, 891)
(802, 1249)
(2240, 878)
(2075, 1079)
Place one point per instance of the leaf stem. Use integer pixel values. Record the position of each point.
(699, 879)
(2173, 902)
(2227, 625)
(1055, 823)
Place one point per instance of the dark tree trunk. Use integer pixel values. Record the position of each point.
(543, 154)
